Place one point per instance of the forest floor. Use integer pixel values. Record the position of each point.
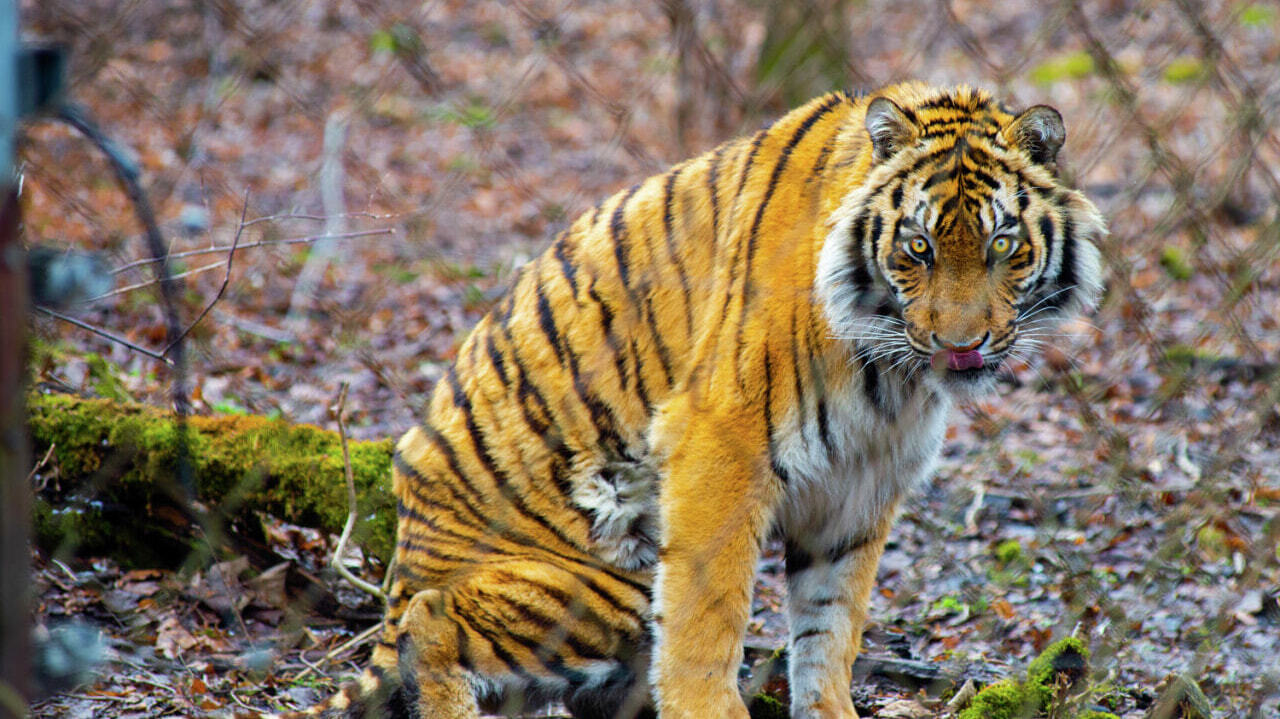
(1123, 487)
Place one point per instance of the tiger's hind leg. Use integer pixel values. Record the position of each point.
(431, 661)
(529, 626)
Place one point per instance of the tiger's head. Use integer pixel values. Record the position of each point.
(960, 247)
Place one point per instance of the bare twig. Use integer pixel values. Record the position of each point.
(149, 283)
(314, 218)
(226, 279)
(105, 334)
(352, 514)
(40, 465)
(351, 643)
(250, 245)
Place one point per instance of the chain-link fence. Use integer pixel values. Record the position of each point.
(1124, 486)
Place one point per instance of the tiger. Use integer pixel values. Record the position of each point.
(762, 342)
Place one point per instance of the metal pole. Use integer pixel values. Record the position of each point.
(15, 499)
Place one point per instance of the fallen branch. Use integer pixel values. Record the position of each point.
(117, 464)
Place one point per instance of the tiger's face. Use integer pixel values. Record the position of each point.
(961, 248)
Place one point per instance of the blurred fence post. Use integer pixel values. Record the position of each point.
(15, 502)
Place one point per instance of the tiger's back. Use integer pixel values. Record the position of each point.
(661, 388)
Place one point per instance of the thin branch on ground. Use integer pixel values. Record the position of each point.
(351, 643)
(40, 465)
(352, 513)
(104, 334)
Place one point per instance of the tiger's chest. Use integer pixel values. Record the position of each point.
(849, 455)
(880, 445)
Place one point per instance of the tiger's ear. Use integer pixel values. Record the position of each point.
(889, 128)
(1039, 132)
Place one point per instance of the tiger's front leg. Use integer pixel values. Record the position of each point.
(717, 502)
(828, 589)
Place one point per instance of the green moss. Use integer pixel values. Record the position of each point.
(765, 706)
(1005, 699)
(1212, 541)
(1066, 66)
(1008, 551)
(1257, 14)
(1096, 714)
(1062, 664)
(126, 455)
(1175, 264)
(1184, 69)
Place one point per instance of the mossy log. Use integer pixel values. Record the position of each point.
(116, 486)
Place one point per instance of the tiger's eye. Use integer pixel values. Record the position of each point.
(1001, 246)
(918, 245)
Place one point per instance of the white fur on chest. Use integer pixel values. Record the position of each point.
(875, 457)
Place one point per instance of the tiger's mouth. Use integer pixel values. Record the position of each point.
(957, 361)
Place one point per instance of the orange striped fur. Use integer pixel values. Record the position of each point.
(763, 340)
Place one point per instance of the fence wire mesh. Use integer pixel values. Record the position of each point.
(1124, 485)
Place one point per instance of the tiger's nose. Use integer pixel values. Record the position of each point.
(960, 346)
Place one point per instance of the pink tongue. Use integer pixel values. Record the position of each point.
(971, 359)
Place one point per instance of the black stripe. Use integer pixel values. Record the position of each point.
(640, 389)
(939, 176)
(824, 426)
(810, 633)
(985, 178)
(432, 549)
(668, 233)
(846, 546)
(606, 326)
(563, 253)
(1067, 275)
(495, 358)
(513, 665)
(664, 352)
(796, 364)
(464, 647)
(505, 533)
(601, 415)
(1045, 224)
(751, 159)
(500, 476)
(617, 229)
(545, 428)
(896, 196)
(713, 179)
(796, 559)
(799, 134)
(871, 382)
(777, 467)
(416, 481)
(877, 227)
